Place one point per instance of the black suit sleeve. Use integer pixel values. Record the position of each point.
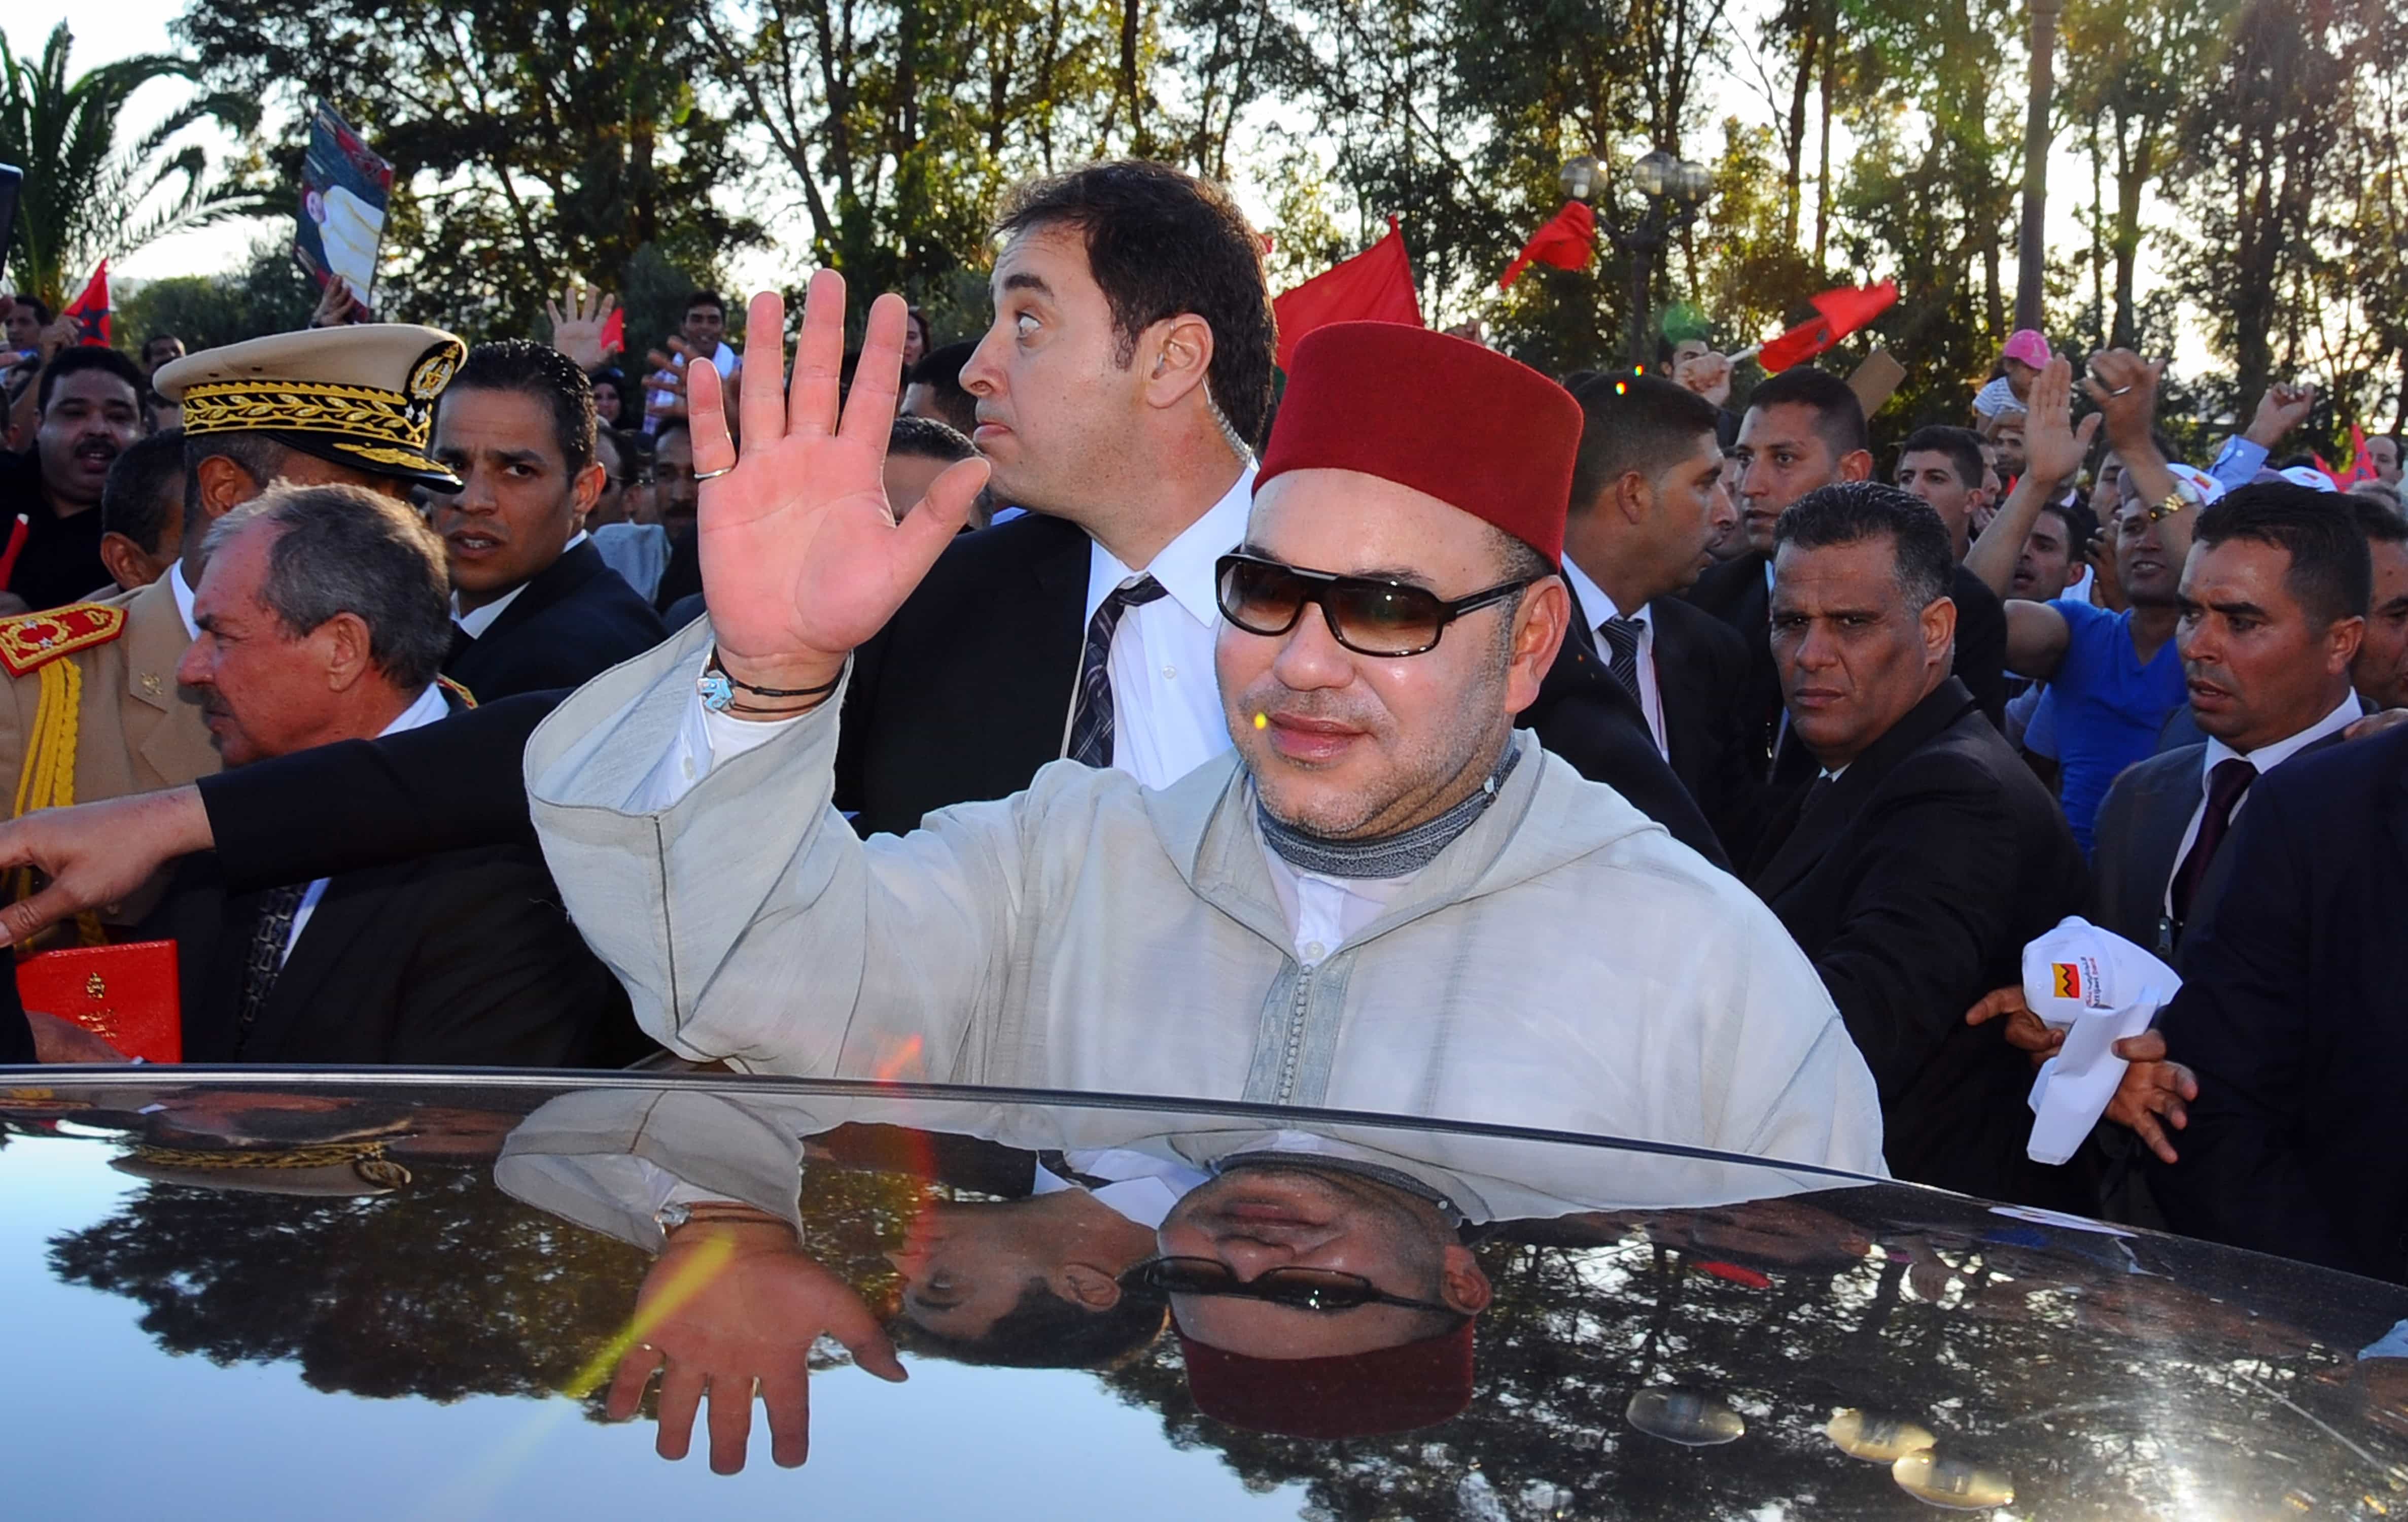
(365, 803)
(16, 1036)
(1981, 645)
(500, 978)
(1926, 918)
(2243, 1024)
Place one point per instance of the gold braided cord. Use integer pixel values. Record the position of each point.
(331, 1154)
(48, 778)
(305, 407)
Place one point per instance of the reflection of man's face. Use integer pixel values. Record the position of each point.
(967, 1265)
(1256, 1219)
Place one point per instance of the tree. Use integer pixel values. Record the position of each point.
(269, 293)
(86, 197)
(529, 141)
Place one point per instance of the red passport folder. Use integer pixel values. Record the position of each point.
(124, 994)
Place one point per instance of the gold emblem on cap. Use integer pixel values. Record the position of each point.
(433, 370)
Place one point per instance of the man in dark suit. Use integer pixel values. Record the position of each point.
(2289, 1025)
(1922, 858)
(1647, 498)
(2273, 600)
(321, 618)
(1804, 429)
(535, 605)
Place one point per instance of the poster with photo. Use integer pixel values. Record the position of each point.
(344, 189)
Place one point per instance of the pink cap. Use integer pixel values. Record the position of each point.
(2026, 344)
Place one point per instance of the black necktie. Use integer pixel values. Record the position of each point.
(1091, 709)
(2225, 787)
(1623, 635)
(277, 907)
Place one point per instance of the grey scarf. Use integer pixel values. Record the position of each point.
(1389, 855)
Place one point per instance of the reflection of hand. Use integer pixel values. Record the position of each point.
(730, 1307)
(801, 555)
(2026, 1032)
(96, 853)
(2153, 1094)
(576, 320)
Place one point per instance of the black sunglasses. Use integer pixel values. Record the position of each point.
(1324, 1290)
(1365, 615)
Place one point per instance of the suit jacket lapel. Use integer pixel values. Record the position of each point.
(1825, 816)
(2159, 821)
(1056, 637)
(554, 583)
(348, 907)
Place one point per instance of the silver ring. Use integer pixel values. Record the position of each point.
(714, 475)
(2117, 392)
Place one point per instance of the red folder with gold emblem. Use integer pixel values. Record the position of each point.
(124, 994)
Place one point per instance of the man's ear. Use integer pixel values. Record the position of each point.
(1541, 624)
(345, 640)
(128, 565)
(1634, 497)
(586, 490)
(1176, 357)
(1463, 1284)
(2340, 640)
(1086, 1286)
(1856, 464)
(1939, 628)
(224, 485)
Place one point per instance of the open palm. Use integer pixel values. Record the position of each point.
(802, 558)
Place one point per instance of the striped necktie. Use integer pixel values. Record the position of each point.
(1091, 709)
(1623, 635)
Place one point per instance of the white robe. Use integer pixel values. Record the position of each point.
(1564, 963)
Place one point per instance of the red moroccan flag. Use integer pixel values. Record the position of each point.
(614, 331)
(90, 310)
(1568, 242)
(1839, 313)
(1374, 286)
(2361, 465)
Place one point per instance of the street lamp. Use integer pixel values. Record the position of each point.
(1674, 188)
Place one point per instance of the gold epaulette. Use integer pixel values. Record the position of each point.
(32, 640)
(467, 699)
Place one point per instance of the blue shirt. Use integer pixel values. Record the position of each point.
(2109, 707)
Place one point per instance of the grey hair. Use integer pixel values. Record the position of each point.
(344, 548)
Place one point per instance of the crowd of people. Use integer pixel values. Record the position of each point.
(1057, 708)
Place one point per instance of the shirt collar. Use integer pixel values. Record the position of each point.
(182, 590)
(475, 623)
(1184, 566)
(1594, 605)
(2267, 757)
(428, 707)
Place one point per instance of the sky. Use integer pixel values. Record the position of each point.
(142, 26)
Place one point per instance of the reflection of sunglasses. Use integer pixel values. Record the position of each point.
(1368, 615)
(1324, 1290)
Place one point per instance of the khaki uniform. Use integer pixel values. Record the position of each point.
(131, 733)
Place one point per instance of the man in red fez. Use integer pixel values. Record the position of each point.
(1385, 899)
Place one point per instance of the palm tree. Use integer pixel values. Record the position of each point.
(85, 198)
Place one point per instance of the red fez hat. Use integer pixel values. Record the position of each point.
(1353, 1395)
(1437, 413)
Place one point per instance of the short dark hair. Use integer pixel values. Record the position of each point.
(2331, 574)
(2379, 523)
(929, 439)
(1838, 417)
(2081, 524)
(634, 450)
(1161, 242)
(543, 372)
(42, 312)
(160, 337)
(1630, 421)
(343, 549)
(1043, 1330)
(940, 371)
(1962, 445)
(703, 298)
(132, 500)
(1853, 511)
(85, 357)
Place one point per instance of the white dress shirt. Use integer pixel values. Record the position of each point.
(2265, 758)
(475, 623)
(429, 707)
(1166, 717)
(1598, 608)
(182, 592)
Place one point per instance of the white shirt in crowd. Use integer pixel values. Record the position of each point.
(725, 362)
(1598, 608)
(2265, 758)
(426, 709)
(475, 624)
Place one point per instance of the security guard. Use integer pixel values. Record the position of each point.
(91, 709)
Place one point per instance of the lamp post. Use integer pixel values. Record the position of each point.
(1674, 188)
